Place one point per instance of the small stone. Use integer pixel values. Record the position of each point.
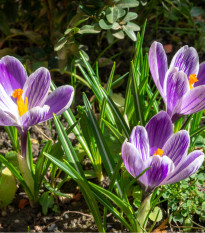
(51, 227)
(3, 213)
(38, 228)
(17, 221)
(11, 209)
(39, 215)
(66, 216)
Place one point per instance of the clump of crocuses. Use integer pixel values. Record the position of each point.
(182, 86)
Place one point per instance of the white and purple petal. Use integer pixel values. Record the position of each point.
(175, 86)
(159, 129)
(176, 147)
(6, 119)
(193, 101)
(201, 75)
(13, 75)
(186, 59)
(59, 100)
(33, 117)
(161, 167)
(140, 140)
(37, 87)
(7, 105)
(132, 159)
(187, 167)
(158, 64)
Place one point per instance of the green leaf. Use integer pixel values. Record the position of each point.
(85, 188)
(67, 146)
(104, 201)
(104, 24)
(102, 146)
(133, 26)
(13, 136)
(156, 214)
(11, 156)
(129, 16)
(70, 118)
(16, 173)
(129, 32)
(46, 202)
(7, 187)
(90, 29)
(60, 44)
(111, 14)
(118, 34)
(41, 167)
(196, 11)
(116, 26)
(125, 207)
(121, 12)
(118, 115)
(128, 3)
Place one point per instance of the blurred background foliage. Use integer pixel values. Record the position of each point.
(50, 33)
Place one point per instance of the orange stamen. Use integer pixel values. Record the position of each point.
(192, 80)
(159, 152)
(22, 107)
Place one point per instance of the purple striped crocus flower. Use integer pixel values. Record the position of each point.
(156, 146)
(182, 86)
(24, 101)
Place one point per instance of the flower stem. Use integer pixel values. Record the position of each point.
(24, 168)
(142, 213)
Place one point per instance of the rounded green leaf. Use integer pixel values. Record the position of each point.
(129, 32)
(60, 44)
(130, 16)
(128, 3)
(156, 214)
(118, 34)
(116, 26)
(121, 12)
(112, 14)
(133, 26)
(89, 29)
(7, 188)
(104, 24)
(196, 11)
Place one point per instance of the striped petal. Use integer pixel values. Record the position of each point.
(158, 64)
(201, 75)
(7, 104)
(159, 129)
(36, 87)
(140, 140)
(33, 117)
(161, 167)
(176, 147)
(186, 60)
(193, 101)
(59, 100)
(187, 167)
(13, 75)
(175, 86)
(132, 159)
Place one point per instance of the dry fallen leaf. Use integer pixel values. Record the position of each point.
(22, 203)
(162, 227)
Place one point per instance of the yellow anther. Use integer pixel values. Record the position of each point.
(159, 152)
(22, 107)
(192, 80)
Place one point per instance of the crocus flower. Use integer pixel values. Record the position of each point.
(182, 86)
(156, 146)
(24, 101)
